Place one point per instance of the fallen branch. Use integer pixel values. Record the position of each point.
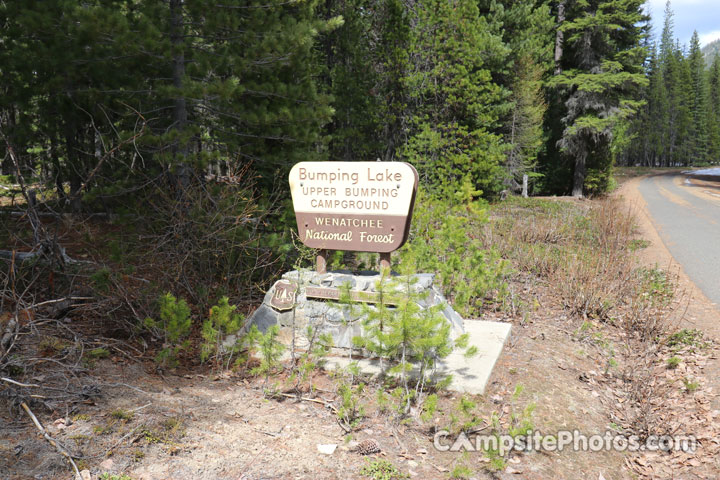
(51, 440)
(21, 257)
(271, 434)
(26, 385)
(324, 403)
(39, 214)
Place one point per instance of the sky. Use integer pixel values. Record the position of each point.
(690, 15)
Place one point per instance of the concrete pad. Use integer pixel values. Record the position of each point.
(470, 375)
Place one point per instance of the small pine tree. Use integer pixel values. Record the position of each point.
(411, 336)
(174, 325)
(443, 240)
(269, 348)
(223, 321)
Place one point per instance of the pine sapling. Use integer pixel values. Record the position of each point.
(174, 324)
(269, 348)
(223, 321)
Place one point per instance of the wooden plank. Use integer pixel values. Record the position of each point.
(332, 293)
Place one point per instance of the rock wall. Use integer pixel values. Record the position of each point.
(305, 297)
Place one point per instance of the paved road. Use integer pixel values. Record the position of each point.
(687, 216)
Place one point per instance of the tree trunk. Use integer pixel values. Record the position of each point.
(559, 37)
(57, 170)
(579, 175)
(6, 167)
(180, 149)
(74, 166)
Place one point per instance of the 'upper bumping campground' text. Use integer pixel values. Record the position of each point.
(381, 184)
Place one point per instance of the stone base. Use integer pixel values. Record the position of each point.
(304, 298)
(469, 375)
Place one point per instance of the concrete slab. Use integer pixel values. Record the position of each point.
(470, 375)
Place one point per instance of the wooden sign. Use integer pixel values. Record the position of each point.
(331, 293)
(354, 206)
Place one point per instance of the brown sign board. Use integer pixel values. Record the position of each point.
(354, 206)
(330, 293)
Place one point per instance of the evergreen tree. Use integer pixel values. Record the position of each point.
(714, 111)
(348, 52)
(68, 65)
(601, 76)
(528, 31)
(698, 131)
(454, 102)
(681, 110)
(242, 86)
(525, 129)
(656, 113)
(229, 84)
(651, 120)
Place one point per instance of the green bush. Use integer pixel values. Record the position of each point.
(406, 334)
(174, 326)
(382, 470)
(269, 348)
(223, 321)
(101, 279)
(447, 238)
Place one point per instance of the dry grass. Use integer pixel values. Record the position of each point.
(583, 251)
(584, 254)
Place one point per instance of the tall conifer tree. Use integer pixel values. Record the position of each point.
(698, 131)
(455, 103)
(601, 76)
(714, 110)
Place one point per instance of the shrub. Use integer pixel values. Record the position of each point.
(269, 348)
(447, 238)
(223, 321)
(174, 327)
(217, 238)
(382, 470)
(407, 334)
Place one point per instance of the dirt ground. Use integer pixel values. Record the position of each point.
(198, 427)
(153, 425)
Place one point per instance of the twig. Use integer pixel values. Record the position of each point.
(271, 434)
(140, 408)
(45, 387)
(112, 385)
(48, 302)
(119, 442)
(307, 399)
(51, 440)
(27, 385)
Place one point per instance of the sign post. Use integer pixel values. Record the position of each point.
(353, 206)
